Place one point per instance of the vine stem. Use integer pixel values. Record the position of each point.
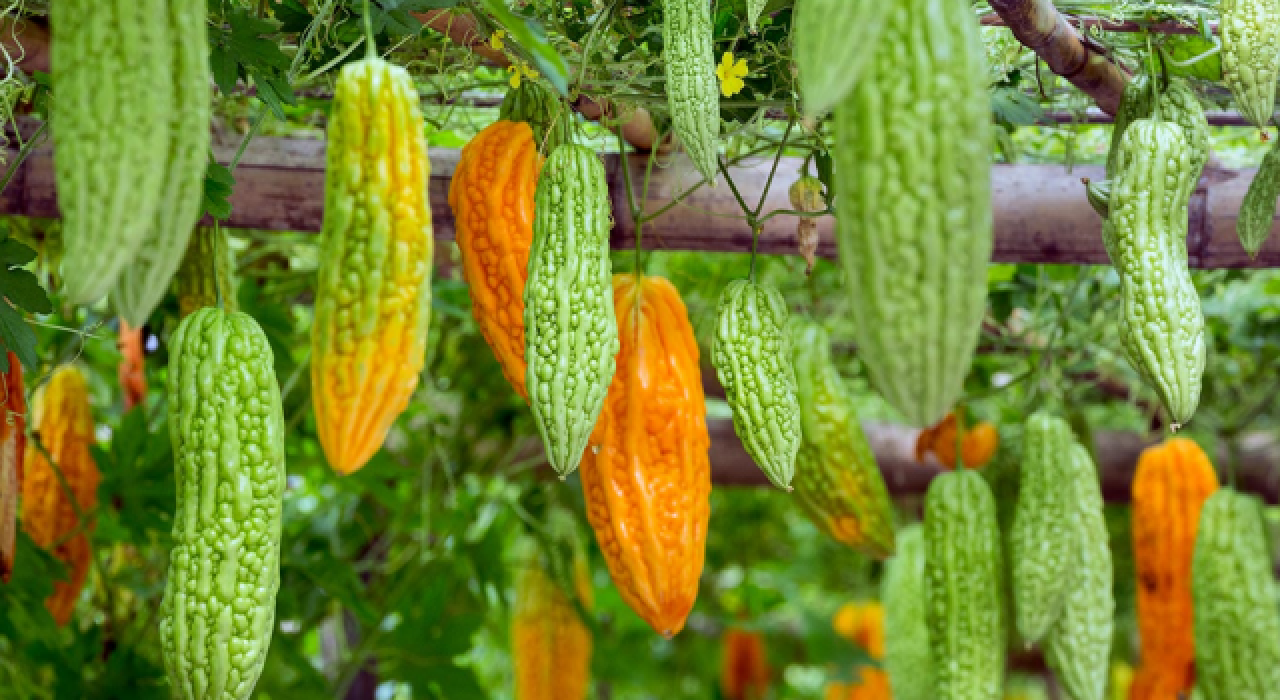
(368, 31)
(35, 140)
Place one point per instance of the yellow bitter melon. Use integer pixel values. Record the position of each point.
(1237, 626)
(143, 283)
(692, 92)
(373, 299)
(1162, 327)
(965, 599)
(906, 646)
(837, 481)
(227, 429)
(1250, 32)
(1078, 646)
(1042, 532)
(571, 332)
(751, 351)
(917, 274)
(115, 69)
(207, 275)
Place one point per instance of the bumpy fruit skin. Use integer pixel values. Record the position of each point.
(63, 426)
(751, 351)
(207, 276)
(113, 65)
(1178, 104)
(837, 481)
(1161, 325)
(551, 647)
(744, 666)
(1250, 31)
(646, 476)
(1258, 208)
(1040, 541)
(537, 105)
(373, 299)
(13, 445)
(917, 274)
(1078, 646)
(1170, 486)
(143, 283)
(965, 606)
(492, 200)
(227, 429)
(571, 332)
(692, 90)
(1237, 625)
(832, 41)
(907, 657)
(132, 370)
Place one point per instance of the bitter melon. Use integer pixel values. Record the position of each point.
(1258, 208)
(143, 283)
(227, 429)
(832, 42)
(373, 295)
(646, 473)
(751, 351)
(1237, 625)
(535, 104)
(914, 195)
(1040, 541)
(906, 647)
(1250, 31)
(1178, 104)
(1161, 325)
(117, 69)
(1078, 646)
(571, 333)
(837, 481)
(692, 92)
(965, 599)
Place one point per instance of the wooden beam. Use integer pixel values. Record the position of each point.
(894, 448)
(1041, 215)
(1109, 25)
(1041, 28)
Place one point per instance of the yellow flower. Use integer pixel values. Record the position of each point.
(496, 40)
(515, 76)
(731, 74)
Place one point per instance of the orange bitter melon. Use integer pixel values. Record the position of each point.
(551, 647)
(64, 431)
(646, 475)
(13, 442)
(373, 300)
(862, 624)
(744, 665)
(1171, 484)
(977, 447)
(132, 370)
(492, 200)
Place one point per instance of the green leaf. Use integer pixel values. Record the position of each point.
(292, 15)
(17, 336)
(218, 184)
(1013, 106)
(531, 36)
(1185, 48)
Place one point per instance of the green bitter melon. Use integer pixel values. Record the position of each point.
(571, 333)
(692, 91)
(914, 195)
(227, 429)
(907, 657)
(751, 351)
